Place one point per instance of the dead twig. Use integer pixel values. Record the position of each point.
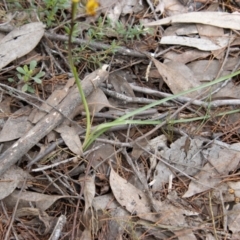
(212, 104)
(144, 183)
(96, 45)
(128, 99)
(14, 211)
(56, 234)
(50, 121)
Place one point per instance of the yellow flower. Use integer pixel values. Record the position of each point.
(91, 7)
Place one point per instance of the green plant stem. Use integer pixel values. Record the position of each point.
(74, 71)
(121, 121)
(95, 134)
(205, 117)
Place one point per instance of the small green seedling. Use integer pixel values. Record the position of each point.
(54, 8)
(120, 31)
(26, 75)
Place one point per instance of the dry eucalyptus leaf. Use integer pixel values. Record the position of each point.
(221, 162)
(131, 6)
(185, 57)
(177, 76)
(89, 192)
(231, 90)
(42, 219)
(121, 7)
(212, 33)
(27, 211)
(234, 219)
(173, 215)
(199, 43)
(208, 71)
(184, 155)
(12, 179)
(71, 138)
(223, 159)
(5, 106)
(185, 234)
(119, 81)
(211, 38)
(133, 199)
(205, 180)
(236, 187)
(103, 153)
(207, 31)
(54, 99)
(120, 84)
(118, 222)
(173, 7)
(136, 202)
(19, 42)
(86, 235)
(160, 176)
(210, 236)
(153, 230)
(218, 19)
(38, 200)
(222, 193)
(106, 201)
(114, 12)
(138, 148)
(204, 69)
(184, 29)
(160, 7)
(16, 125)
(2, 35)
(97, 100)
(173, 30)
(128, 196)
(156, 146)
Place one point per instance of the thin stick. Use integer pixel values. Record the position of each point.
(14, 211)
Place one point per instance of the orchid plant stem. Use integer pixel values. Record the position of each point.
(75, 74)
(123, 120)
